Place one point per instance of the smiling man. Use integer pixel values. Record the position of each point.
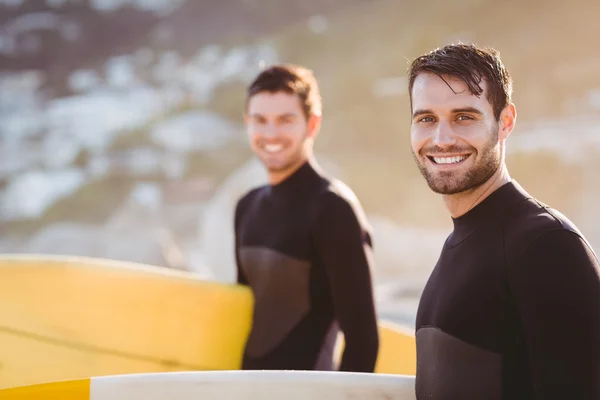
(512, 307)
(302, 241)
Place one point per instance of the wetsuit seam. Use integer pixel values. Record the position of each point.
(455, 336)
(562, 228)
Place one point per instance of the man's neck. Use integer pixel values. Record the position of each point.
(276, 177)
(461, 203)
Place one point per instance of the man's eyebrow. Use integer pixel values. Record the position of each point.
(416, 113)
(471, 110)
(258, 115)
(287, 115)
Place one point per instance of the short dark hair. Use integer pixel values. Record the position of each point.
(292, 79)
(471, 64)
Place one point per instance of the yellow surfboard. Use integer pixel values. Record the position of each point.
(71, 317)
(397, 350)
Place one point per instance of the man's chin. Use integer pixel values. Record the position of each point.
(445, 190)
(280, 166)
(444, 186)
(276, 170)
(271, 164)
(450, 188)
(276, 167)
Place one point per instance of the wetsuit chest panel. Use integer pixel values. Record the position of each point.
(461, 323)
(281, 289)
(458, 379)
(466, 296)
(276, 257)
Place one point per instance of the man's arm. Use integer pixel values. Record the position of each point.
(340, 242)
(556, 286)
(241, 278)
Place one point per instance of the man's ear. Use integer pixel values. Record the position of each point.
(314, 125)
(508, 119)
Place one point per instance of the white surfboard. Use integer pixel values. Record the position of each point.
(225, 385)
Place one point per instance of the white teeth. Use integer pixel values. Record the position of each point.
(449, 160)
(273, 148)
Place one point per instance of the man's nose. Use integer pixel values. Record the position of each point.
(270, 131)
(443, 135)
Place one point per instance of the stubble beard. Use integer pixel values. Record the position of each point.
(449, 182)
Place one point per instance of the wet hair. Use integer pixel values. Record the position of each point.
(471, 64)
(292, 79)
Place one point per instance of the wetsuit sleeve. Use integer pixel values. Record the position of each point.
(342, 248)
(241, 278)
(556, 287)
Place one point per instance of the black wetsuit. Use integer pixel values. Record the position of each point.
(304, 248)
(512, 308)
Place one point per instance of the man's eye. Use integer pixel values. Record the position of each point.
(426, 119)
(465, 117)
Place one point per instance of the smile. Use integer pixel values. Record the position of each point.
(273, 148)
(448, 160)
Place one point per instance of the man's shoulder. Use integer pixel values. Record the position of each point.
(337, 197)
(335, 193)
(547, 244)
(532, 221)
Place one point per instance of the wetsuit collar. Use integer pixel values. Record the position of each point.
(296, 184)
(485, 212)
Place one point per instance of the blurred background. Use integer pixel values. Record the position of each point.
(121, 129)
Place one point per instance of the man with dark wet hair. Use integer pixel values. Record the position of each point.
(512, 308)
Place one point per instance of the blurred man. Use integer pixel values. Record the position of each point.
(302, 240)
(512, 308)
